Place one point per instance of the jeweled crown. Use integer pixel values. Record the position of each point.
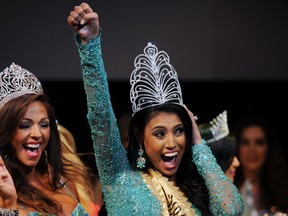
(216, 129)
(154, 80)
(16, 81)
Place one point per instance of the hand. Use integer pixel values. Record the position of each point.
(196, 136)
(85, 22)
(7, 187)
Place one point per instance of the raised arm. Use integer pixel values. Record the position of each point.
(225, 198)
(110, 153)
(85, 22)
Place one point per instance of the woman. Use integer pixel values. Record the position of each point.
(222, 144)
(158, 177)
(262, 177)
(35, 177)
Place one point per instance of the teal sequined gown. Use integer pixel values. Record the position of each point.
(78, 211)
(125, 192)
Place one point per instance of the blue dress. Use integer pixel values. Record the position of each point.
(125, 191)
(78, 211)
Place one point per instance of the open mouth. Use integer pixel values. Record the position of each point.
(31, 150)
(169, 159)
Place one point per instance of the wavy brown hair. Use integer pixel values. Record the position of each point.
(11, 115)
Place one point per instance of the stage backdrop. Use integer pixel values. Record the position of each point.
(265, 99)
(206, 40)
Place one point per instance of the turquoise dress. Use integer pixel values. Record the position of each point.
(125, 192)
(78, 211)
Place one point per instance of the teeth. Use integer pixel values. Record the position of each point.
(172, 154)
(33, 145)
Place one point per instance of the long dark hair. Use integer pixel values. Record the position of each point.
(273, 177)
(11, 115)
(187, 177)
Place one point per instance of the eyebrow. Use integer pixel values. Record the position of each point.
(28, 119)
(162, 127)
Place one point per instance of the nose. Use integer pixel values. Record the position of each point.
(170, 142)
(252, 146)
(35, 132)
(235, 162)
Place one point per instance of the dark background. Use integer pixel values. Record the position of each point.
(206, 40)
(228, 54)
(264, 99)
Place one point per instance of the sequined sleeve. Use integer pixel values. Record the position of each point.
(124, 190)
(224, 196)
(109, 152)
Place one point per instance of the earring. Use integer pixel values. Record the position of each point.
(46, 156)
(140, 160)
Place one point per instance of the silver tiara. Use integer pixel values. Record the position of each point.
(16, 81)
(154, 80)
(219, 127)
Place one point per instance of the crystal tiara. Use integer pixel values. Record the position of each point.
(16, 81)
(154, 80)
(216, 129)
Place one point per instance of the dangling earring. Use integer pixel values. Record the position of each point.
(46, 157)
(140, 160)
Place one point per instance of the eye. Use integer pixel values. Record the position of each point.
(179, 130)
(24, 125)
(244, 142)
(260, 142)
(45, 124)
(159, 133)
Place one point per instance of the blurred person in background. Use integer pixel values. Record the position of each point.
(262, 175)
(222, 143)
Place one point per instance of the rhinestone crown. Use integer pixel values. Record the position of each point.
(218, 128)
(154, 80)
(16, 81)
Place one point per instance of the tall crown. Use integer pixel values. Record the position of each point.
(16, 81)
(216, 129)
(154, 80)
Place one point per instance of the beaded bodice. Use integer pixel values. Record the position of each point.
(125, 191)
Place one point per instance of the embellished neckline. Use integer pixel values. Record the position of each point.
(172, 199)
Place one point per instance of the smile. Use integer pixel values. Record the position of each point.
(169, 159)
(31, 150)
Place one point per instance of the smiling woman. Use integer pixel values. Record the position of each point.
(32, 135)
(164, 142)
(168, 169)
(262, 177)
(222, 143)
(37, 177)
